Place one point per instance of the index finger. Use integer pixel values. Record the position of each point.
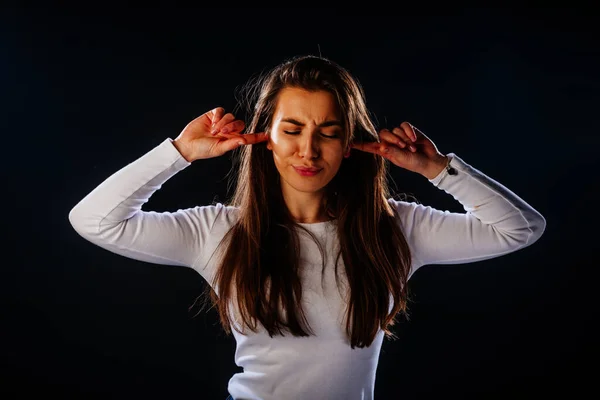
(254, 138)
(370, 147)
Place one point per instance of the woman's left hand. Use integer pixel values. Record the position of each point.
(409, 148)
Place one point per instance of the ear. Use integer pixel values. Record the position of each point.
(268, 133)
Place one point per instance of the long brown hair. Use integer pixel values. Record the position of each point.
(259, 264)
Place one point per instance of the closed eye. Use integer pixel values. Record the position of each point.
(298, 132)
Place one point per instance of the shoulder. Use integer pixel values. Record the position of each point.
(212, 216)
(408, 212)
(404, 207)
(220, 212)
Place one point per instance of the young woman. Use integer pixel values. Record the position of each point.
(310, 259)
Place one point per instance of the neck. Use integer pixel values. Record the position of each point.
(306, 208)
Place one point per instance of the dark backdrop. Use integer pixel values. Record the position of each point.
(84, 92)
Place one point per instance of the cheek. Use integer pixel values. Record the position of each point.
(335, 154)
(280, 152)
(281, 146)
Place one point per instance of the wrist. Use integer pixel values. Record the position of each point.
(183, 149)
(436, 167)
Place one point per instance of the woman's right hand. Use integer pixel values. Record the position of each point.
(213, 134)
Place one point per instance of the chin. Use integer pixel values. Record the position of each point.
(308, 188)
(301, 185)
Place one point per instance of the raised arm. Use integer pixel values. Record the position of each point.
(496, 222)
(111, 216)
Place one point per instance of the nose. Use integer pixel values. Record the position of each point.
(309, 148)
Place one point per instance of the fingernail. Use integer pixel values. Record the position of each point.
(224, 130)
(241, 143)
(214, 131)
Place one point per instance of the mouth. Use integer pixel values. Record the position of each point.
(307, 171)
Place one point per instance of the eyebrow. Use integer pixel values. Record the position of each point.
(321, 125)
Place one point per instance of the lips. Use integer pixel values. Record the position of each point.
(304, 169)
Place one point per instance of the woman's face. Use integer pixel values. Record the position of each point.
(306, 139)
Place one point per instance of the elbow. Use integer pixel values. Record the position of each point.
(527, 234)
(81, 222)
(76, 220)
(536, 226)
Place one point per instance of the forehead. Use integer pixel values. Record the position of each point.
(305, 104)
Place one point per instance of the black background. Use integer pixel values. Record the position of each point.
(84, 92)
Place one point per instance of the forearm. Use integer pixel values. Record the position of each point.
(497, 221)
(122, 194)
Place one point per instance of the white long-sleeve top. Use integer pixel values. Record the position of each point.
(324, 366)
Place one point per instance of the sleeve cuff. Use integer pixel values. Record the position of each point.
(180, 161)
(455, 165)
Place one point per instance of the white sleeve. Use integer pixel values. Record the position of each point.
(496, 222)
(110, 216)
